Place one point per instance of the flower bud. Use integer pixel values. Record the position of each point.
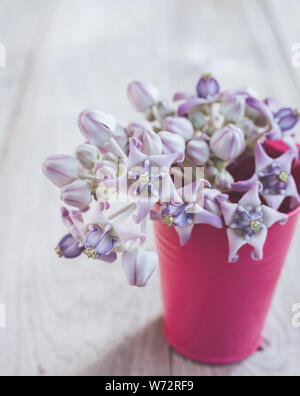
(143, 95)
(163, 110)
(61, 169)
(198, 119)
(140, 266)
(97, 126)
(211, 202)
(224, 180)
(287, 119)
(234, 109)
(69, 248)
(198, 152)
(228, 143)
(172, 143)
(151, 143)
(87, 155)
(77, 194)
(212, 171)
(179, 125)
(208, 87)
(135, 127)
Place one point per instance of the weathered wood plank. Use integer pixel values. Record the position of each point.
(284, 19)
(64, 318)
(20, 33)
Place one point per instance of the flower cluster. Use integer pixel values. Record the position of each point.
(179, 166)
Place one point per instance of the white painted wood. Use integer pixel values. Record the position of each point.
(81, 318)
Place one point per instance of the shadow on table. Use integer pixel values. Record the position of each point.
(143, 354)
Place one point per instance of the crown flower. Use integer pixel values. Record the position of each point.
(248, 223)
(276, 178)
(183, 165)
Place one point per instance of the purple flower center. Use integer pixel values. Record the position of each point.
(176, 216)
(248, 221)
(274, 180)
(100, 243)
(146, 179)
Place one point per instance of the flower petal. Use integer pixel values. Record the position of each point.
(93, 237)
(262, 160)
(271, 216)
(129, 237)
(228, 210)
(136, 157)
(292, 144)
(69, 248)
(235, 241)
(184, 233)
(165, 160)
(182, 96)
(252, 197)
(185, 108)
(292, 191)
(105, 245)
(286, 161)
(258, 242)
(109, 258)
(274, 201)
(143, 209)
(206, 217)
(140, 266)
(246, 185)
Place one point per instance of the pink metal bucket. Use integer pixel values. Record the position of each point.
(215, 312)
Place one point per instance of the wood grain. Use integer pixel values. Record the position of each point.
(81, 318)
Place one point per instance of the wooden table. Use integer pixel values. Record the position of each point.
(81, 318)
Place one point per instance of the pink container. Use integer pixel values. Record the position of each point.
(215, 312)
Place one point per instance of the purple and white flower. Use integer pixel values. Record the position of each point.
(97, 126)
(106, 238)
(207, 87)
(143, 95)
(208, 90)
(185, 217)
(61, 169)
(75, 224)
(276, 178)
(287, 119)
(100, 244)
(172, 143)
(179, 125)
(151, 179)
(228, 143)
(248, 222)
(77, 194)
(87, 155)
(198, 152)
(140, 266)
(69, 247)
(233, 108)
(150, 141)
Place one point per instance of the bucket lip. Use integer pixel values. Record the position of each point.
(294, 212)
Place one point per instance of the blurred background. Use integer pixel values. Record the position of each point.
(81, 318)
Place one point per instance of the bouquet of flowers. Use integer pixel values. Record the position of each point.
(181, 166)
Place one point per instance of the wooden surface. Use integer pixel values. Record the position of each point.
(81, 318)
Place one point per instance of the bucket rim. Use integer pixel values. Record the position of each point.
(294, 212)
